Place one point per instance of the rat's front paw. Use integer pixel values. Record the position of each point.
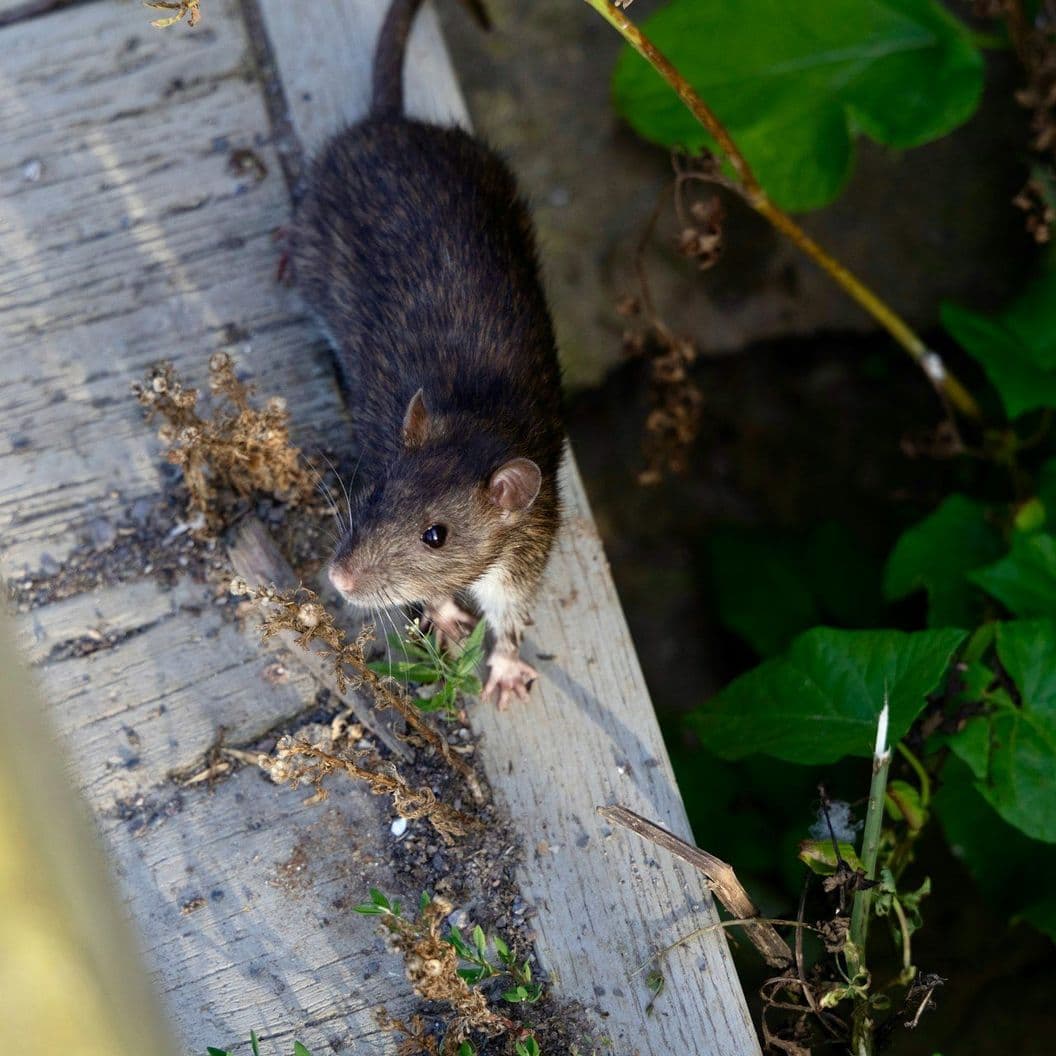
(510, 677)
(450, 621)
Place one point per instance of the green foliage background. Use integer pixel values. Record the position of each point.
(959, 627)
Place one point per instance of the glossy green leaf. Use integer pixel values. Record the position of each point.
(300, 1050)
(937, 554)
(1008, 360)
(903, 804)
(1020, 781)
(794, 84)
(820, 700)
(1024, 581)
(1017, 346)
(819, 856)
(1009, 868)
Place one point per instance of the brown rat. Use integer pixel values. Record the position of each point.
(414, 249)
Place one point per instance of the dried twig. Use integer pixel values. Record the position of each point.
(302, 614)
(721, 880)
(297, 762)
(184, 9)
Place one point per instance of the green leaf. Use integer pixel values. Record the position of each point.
(473, 646)
(1024, 581)
(368, 909)
(1005, 864)
(210, 1051)
(820, 700)
(937, 554)
(467, 1049)
(903, 804)
(1017, 347)
(254, 1043)
(424, 900)
(502, 949)
(480, 940)
(819, 856)
(300, 1050)
(454, 937)
(379, 899)
(1017, 778)
(794, 84)
(418, 671)
(473, 975)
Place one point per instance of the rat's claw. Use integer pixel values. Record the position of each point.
(450, 621)
(510, 678)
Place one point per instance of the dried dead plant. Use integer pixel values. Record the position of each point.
(298, 762)
(238, 452)
(183, 9)
(676, 401)
(301, 612)
(1033, 37)
(432, 966)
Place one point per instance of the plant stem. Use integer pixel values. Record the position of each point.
(946, 385)
(861, 1027)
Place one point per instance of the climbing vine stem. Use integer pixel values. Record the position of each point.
(950, 390)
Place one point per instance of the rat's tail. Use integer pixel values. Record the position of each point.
(390, 51)
(388, 58)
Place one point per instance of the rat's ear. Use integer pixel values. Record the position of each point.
(515, 484)
(416, 421)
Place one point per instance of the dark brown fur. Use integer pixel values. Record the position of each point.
(415, 251)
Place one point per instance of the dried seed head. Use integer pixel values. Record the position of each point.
(239, 587)
(309, 615)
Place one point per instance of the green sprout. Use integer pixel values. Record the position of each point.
(426, 664)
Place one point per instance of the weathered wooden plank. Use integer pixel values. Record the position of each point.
(589, 735)
(125, 238)
(243, 895)
(154, 703)
(131, 232)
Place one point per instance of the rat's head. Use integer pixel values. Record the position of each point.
(436, 522)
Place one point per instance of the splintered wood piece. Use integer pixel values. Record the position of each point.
(720, 877)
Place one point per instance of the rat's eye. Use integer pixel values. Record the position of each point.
(434, 536)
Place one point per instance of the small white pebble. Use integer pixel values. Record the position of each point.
(398, 827)
(33, 170)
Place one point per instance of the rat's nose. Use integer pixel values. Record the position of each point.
(342, 579)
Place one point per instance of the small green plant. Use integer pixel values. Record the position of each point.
(427, 664)
(443, 966)
(298, 1048)
(482, 968)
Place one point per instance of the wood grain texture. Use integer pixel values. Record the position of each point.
(589, 735)
(243, 898)
(127, 237)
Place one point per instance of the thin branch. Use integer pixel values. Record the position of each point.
(721, 880)
(950, 390)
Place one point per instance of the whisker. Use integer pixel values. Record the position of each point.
(348, 500)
